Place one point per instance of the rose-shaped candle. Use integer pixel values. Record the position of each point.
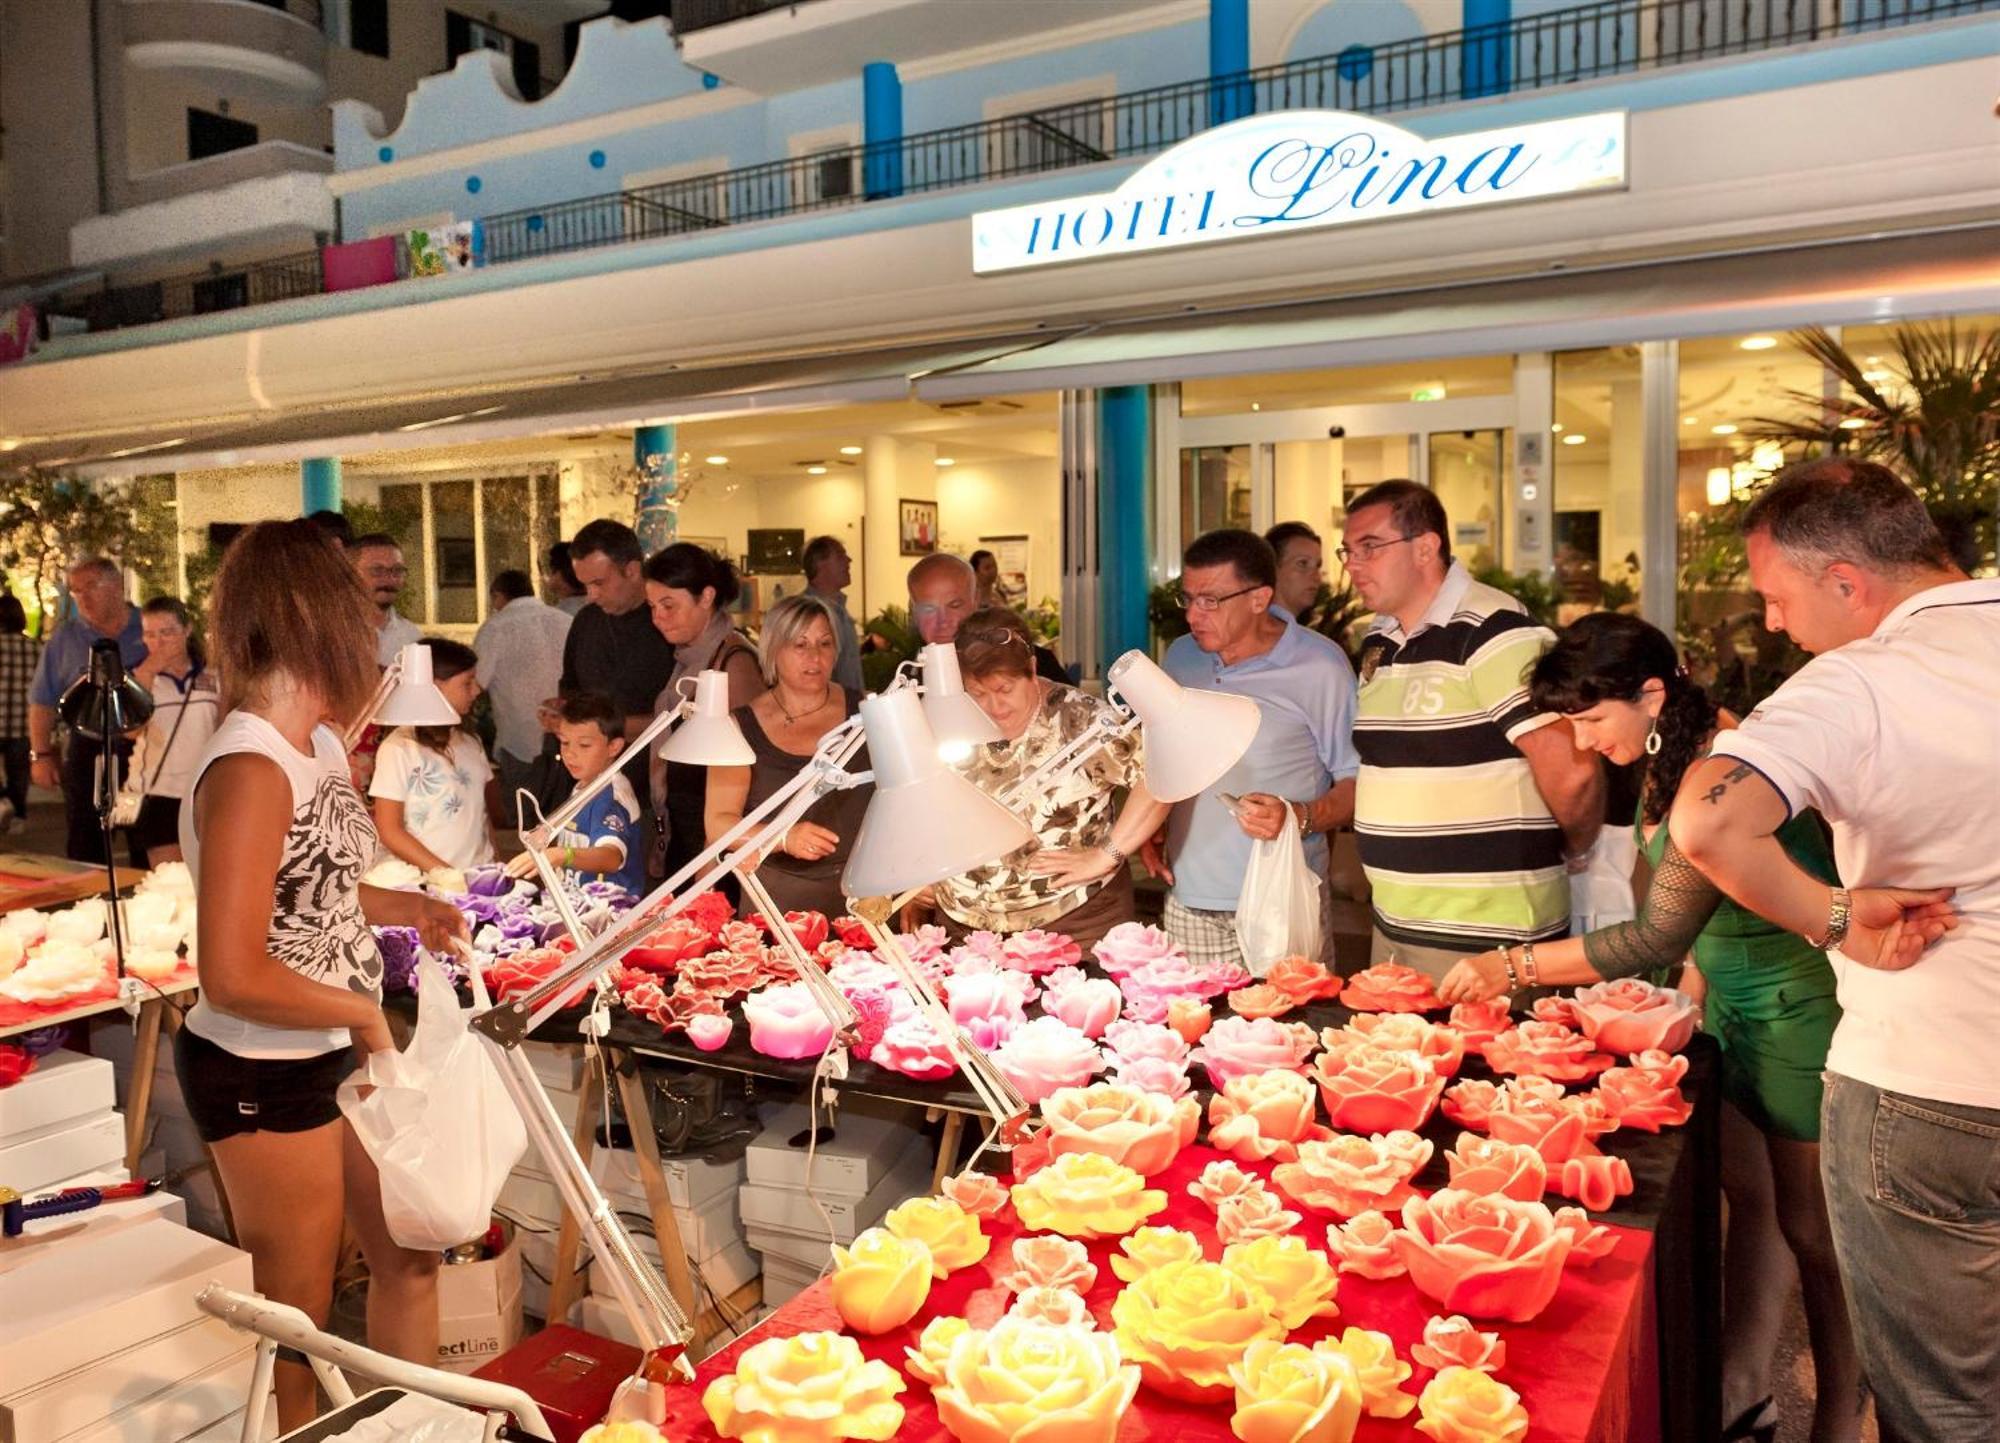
(1587, 1243)
(1593, 1179)
(1131, 1041)
(1252, 1215)
(880, 1280)
(1238, 1046)
(1221, 1181)
(1286, 1393)
(1346, 1175)
(1442, 1047)
(1546, 1049)
(1302, 979)
(1455, 1343)
(1089, 1005)
(1480, 1022)
(1368, 1090)
(1035, 951)
(1490, 1257)
(1631, 1015)
(786, 1022)
(1142, 1130)
(1463, 1405)
(1023, 1380)
(1049, 1262)
(926, 1361)
(985, 1006)
(976, 1192)
(1389, 987)
(1487, 1165)
(1646, 1098)
(1380, 1372)
(1301, 1282)
(1046, 1053)
(1190, 1018)
(1362, 1246)
(1148, 1248)
(1083, 1195)
(1185, 1324)
(1151, 1074)
(1470, 1103)
(1057, 1307)
(1133, 944)
(1264, 1115)
(709, 1031)
(948, 1232)
(1150, 988)
(1261, 1000)
(912, 1047)
(812, 1388)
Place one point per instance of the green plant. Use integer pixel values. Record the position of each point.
(1164, 611)
(895, 642)
(48, 520)
(1044, 620)
(1334, 614)
(1536, 593)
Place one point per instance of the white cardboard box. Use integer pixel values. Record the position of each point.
(861, 1152)
(105, 1216)
(792, 1208)
(534, 1199)
(687, 1178)
(97, 1295)
(558, 1065)
(88, 1394)
(65, 1088)
(479, 1309)
(175, 1412)
(96, 1142)
(724, 1272)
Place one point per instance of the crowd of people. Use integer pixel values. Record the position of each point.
(1818, 873)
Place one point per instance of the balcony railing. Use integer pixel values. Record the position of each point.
(692, 15)
(1561, 47)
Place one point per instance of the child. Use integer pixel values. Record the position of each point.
(430, 782)
(604, 838)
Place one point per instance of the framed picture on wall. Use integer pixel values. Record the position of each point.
(917, 527)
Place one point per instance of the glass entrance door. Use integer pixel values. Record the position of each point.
(1469, 472)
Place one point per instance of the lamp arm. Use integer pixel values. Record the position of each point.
(391, 674)
(1112, 722)
(832, 1001)
(1004, 1103)
(509, 1022)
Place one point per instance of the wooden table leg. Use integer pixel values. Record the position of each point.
(562, 1287)
(666, 1231)
(947, 1158)
(139, 1086)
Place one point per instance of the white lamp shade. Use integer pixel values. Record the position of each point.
(709, 737)
(415, 700)
(925, 821)
(955, 718)
(1192, 738)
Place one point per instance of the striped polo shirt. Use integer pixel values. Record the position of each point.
(1460, 849)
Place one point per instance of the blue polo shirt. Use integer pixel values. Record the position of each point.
(1304, 687)
(66, 657)
(612, 818)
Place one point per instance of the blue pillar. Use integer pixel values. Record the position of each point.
(1229, 93)
(1487, 60)
(659, 498)
(319, 484)
(881, 130)
(1124, 468)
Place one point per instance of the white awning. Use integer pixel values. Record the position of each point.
(1837, 283)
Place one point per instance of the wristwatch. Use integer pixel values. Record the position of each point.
(1303, 811)
(47, 756)
(1837, 918)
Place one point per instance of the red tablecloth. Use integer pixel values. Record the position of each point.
(1586, 1368)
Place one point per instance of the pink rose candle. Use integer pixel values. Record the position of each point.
(785, 1021)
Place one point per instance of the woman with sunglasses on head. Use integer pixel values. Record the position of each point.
(1073, 878)
(1769, 1002)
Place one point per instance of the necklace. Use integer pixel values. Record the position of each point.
(791, 718)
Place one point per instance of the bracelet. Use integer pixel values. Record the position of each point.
(1528, 968)
(569, 859)
(1110, 849)
(1304, 813)
(1837, 920)
(47, 756)
(1513, 977)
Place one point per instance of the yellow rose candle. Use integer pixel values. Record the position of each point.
(1082, 1195)
(1381, 1372)
(813, 1388)
(950, 1232)
(1299, 1279)
(1028, 1380)
(1151, 1248)
(1184, 1324)
(1286, 1393)
(880, 1280)
(1461, 1405)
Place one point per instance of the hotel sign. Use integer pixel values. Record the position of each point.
(1301, 170)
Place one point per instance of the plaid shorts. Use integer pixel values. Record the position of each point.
(1210, 937)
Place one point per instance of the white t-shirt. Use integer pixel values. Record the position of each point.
(1895, 740)
(395, 633)
(184, 714)
(444, 798)
(316, 928)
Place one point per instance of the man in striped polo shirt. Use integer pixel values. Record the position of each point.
(1469, 804)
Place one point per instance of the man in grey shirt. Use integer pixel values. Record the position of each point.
(828, 570)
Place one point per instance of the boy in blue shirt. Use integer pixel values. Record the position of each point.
(604, 837)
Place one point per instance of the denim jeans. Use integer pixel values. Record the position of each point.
(1913, 1190)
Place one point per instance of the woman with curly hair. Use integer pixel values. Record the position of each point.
(1769, 1002)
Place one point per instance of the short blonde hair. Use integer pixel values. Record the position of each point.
(784, 624)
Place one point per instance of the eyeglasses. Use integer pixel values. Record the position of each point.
(998, 636)
(1368, 550)
(1185, 602)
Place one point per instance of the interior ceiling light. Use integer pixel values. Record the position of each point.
(1725, 429)
(1575, 438)
(815, 470)
(1689, 420)
(1853, 423)
(850, 450)
(1557, 427)
(1256, 405)
(715, 460)
(1876, 377)
(946, 461)
(448, 420)
(1757, 343)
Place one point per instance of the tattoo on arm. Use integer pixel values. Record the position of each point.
(1730, 778)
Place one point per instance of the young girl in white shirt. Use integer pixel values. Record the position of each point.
(430, 782)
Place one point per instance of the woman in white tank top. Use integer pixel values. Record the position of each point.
(291, 981)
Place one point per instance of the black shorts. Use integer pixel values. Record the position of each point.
(159, 823)
(228, 1095)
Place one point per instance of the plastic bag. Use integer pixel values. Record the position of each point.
(439, 1124)
(1277, 914)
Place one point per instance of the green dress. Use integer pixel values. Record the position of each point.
(1770, 1000)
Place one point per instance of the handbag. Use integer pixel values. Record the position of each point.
(125, 806)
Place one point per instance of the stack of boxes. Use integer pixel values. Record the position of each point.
(876, 1157)
(59, 1125)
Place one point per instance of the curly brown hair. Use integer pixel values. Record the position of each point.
(286, 603)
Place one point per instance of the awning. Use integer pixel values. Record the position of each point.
(578, 403)
(1844, 282)
(50, 283)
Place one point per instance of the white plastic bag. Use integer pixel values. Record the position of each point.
(1277, 914)
(439, 1124)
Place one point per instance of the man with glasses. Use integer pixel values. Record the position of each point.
(1471, 808)
(942, 594)
(379, 558)
(1301, 760)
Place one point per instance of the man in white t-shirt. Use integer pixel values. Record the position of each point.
(1892, 733)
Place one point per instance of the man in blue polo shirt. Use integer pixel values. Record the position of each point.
(98, 588)
(1302, 758)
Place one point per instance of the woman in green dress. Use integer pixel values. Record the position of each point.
(1769, 1001)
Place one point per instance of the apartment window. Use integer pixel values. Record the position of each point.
(458, 534)
(212, 134)
(368, 26)
(463, 34)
